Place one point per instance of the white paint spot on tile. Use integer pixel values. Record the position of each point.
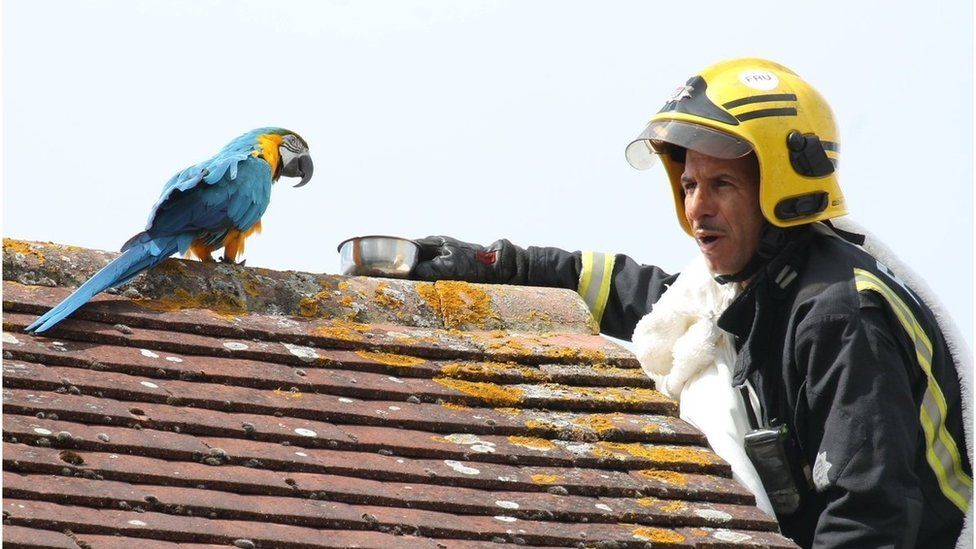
(307, 354)
(461, 468)
(235, 346)
(506, 479)
(713, 515)
(41, 431)
(147, 353)
(302, 454)
(345, 400)
(477, 445)
(394, 408)
(507, 504)
(306, 432)
(149, 384)
(10, 339)
(462, 438)
(506, 519)
(578, 449)
(603, 507)
(57, 343)
(113, 456)
(174, 359)
(395, 379)
(137, 523)
(730, 536)
(401, 461)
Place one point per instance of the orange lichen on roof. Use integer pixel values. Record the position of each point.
(539, 316)
(222, 303)
(381, 296)
(458, 303)
(488, 368)
(293, 394)
(669, 477)
(586, 355)
(455, 407)
(658, 535)
(309, 307)
(391, 359)
(23, 248)
(610, 369)
(510, 346)
(596, 422)
(491, 393)
(534, 443)
(546, 479)
(628, 395)
(673, 506)
(539, 424)
(513, 412)
(342, 329)
(660, 454)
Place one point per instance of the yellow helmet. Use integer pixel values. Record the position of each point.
(752, 105)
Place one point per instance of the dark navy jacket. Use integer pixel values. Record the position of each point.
(852, 361)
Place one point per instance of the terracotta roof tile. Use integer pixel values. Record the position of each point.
(207, 406)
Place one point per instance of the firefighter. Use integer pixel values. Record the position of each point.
(851, 383)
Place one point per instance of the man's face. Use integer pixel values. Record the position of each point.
(721, 200)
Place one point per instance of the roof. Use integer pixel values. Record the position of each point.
(213, 405)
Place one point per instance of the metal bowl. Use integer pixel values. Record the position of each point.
(388, 256)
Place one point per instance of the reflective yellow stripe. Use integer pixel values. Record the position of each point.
(595, 279)
(941, 450)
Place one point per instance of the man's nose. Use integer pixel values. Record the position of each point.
(698, 205)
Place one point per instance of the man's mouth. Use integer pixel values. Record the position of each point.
(708, 241)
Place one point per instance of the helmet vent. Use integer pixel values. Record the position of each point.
(807, 155)
(801, 206)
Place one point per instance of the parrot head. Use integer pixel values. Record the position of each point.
(295, 160)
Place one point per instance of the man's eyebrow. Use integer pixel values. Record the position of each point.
(720, 175)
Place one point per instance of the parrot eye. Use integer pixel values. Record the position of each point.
(293, 144)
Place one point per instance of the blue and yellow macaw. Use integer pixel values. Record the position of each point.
(215, 204)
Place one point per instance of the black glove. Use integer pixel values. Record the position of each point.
(446, 258)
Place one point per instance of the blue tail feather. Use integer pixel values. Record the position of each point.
(133, 261)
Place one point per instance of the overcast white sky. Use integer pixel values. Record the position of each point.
(479, 120)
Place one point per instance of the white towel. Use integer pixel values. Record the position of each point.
(691, 359)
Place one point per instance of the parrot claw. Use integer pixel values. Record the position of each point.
(239, 263)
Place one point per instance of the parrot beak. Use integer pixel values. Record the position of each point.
(300, 166)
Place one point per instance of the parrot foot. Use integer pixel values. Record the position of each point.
(239, 263)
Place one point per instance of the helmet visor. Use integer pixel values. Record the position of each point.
(642, 152)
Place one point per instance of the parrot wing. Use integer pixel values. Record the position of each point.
(209, 210)
(223, 165)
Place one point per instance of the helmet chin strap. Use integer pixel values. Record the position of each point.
(771, 241)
